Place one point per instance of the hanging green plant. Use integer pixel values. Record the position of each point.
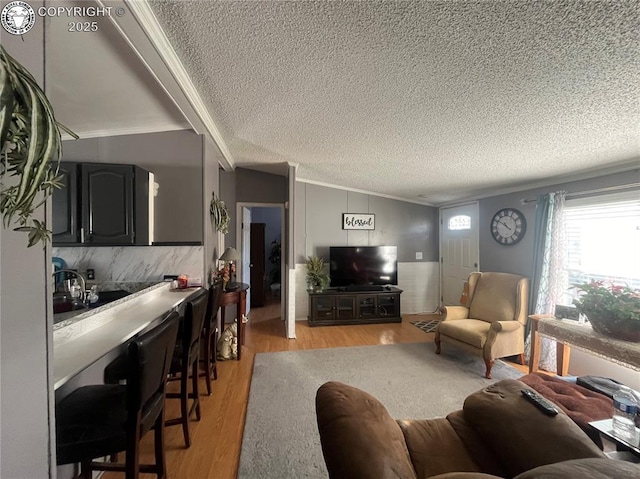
(31, 147)
(219, 215)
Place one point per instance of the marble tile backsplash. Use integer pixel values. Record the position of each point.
(144, 264)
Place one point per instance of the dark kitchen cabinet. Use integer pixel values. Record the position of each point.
(66, 225)
(109, 202)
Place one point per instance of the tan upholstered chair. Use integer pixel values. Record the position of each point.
(491, 325)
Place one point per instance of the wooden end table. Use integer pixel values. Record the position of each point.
(237, 296)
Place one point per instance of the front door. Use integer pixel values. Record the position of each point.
(459, 249)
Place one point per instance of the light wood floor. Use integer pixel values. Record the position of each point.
(217, 438)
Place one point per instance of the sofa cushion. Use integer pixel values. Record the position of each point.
(581, 404)
(585, 469)
(475, 444)
(470, 331)
(359, 438)
(521, 435)
(435, 448)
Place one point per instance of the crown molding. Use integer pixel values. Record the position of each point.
(356, 190)
(128, 131)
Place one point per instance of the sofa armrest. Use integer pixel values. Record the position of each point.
(359, 438)
(455, 312)
(505, 326)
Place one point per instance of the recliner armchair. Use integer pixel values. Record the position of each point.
(492, 323)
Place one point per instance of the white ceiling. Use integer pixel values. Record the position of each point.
(424, 100)
(98, 86)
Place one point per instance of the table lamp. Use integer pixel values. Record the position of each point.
(230, 256)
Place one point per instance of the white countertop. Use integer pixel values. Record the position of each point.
(80, 344)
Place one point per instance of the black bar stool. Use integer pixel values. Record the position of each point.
(185, 361)
(99, 420)
(209, 335)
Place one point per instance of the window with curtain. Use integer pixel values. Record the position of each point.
(603, 240)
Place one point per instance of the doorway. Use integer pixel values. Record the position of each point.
(459, 249)
(261, 241)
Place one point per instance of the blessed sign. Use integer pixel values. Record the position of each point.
(351, 221)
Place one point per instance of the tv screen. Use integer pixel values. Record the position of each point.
(363, 265)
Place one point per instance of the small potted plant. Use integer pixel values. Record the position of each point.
(317, 277)
(612, 310)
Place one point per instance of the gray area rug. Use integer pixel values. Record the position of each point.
(281, 435)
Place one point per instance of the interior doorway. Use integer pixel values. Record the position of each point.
(261, 241)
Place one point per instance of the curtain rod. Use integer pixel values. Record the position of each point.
(589, 192)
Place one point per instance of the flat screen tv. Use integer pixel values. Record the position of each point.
(363, 265)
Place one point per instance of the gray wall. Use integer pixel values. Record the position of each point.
(175, 158)
(26, 398)
(518, 259)
(248, 186)
(412, 227)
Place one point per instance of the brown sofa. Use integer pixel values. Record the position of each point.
(496, 434)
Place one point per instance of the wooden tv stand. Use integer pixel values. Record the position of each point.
(341, 306)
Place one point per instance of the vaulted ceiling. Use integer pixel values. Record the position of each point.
(432, 101)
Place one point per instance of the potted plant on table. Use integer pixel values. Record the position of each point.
(317, 277)
(612, 310)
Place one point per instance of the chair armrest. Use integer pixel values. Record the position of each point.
(455, 312)
(506, 326)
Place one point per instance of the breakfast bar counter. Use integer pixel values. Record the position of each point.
(83, 342)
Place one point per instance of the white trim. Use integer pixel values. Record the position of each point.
(366, 192)
(284, 288)
(128, 131)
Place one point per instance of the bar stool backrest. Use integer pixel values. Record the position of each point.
(215, 293)
(193, 323)
(149, 358)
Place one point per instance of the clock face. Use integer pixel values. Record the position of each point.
(508, 226)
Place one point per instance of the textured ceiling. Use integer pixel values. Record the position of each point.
(438, 100)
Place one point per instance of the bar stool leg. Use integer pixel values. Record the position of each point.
(184, 406)
(194, 385)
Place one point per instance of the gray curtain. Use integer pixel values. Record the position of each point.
(549, 277)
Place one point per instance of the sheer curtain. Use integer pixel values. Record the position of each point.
(549, 275)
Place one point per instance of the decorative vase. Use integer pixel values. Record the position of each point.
(624, 329)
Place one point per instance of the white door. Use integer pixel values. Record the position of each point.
(459, 249)
(246, 252)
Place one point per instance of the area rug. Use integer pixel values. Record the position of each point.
(281, 435)
(427, 326)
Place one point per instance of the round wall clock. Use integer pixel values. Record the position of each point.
(508, 226)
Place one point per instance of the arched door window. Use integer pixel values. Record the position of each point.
(460, 222)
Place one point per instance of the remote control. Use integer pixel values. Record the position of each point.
(541, 403)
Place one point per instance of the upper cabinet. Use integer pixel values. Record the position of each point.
(102, 204)
(66, 225)
(180, 206)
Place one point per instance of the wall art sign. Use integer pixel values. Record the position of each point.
(358, 221)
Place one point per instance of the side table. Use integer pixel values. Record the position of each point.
(237, 296)
(563, 351)
(605, 428)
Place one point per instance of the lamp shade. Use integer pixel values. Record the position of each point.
(230, 254)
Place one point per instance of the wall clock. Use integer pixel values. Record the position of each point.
(508, 226)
